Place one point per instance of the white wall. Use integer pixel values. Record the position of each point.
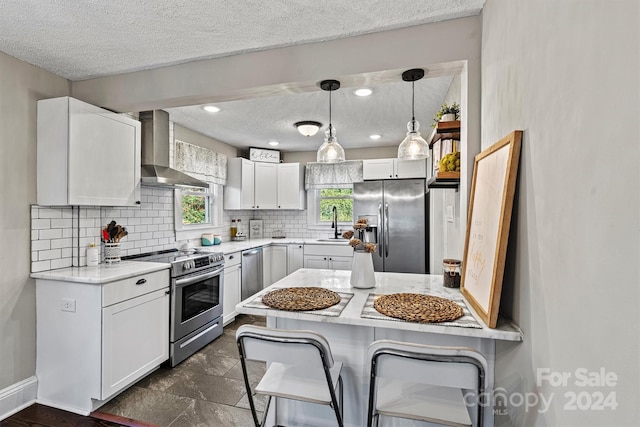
(21, 85)
(566, 72)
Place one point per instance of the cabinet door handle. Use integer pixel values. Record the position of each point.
(325, 258)
(390, 176)
(137, 202)
(330, 259)
(141, 282)
(230, 256)
(168, 292)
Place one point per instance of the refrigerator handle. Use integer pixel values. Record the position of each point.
(386, 230)
(379, 224)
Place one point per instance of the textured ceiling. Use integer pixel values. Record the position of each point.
(90, 38)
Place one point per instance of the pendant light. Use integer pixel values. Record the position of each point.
(413, 146)
(330, 151)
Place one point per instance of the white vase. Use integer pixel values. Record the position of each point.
(448, 117)
(362, 275)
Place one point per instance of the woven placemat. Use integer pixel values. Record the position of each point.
(301, 299)
(418, 308)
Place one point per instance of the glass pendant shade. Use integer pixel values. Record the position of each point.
(330, 151)
(413, 146)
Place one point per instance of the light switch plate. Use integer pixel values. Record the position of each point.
(449, 213)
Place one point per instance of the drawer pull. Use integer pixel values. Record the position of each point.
(141, 282)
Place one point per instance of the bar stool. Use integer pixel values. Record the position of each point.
(426, 383)
(301, 367)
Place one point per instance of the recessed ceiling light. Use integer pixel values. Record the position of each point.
(364, 91)
(375, 136)
(273, 143)
(211, 108)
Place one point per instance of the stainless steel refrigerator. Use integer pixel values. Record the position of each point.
(397, 214)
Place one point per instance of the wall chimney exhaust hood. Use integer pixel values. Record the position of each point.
(155, 153)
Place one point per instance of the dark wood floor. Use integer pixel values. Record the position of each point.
(43, 416)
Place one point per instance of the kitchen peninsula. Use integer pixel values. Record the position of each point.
(352, 327)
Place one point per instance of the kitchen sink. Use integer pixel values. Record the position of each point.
(339, 240)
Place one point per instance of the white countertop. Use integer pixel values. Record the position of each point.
(231, 246)
(386, 283)
(102, 273)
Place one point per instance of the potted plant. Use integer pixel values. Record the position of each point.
(447, 113)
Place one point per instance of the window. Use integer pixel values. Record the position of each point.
(197, 208)
(321, 202)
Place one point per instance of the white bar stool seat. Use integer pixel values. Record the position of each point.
(301, 367)
(435, 384)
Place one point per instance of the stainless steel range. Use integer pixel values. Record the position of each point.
(197, 285)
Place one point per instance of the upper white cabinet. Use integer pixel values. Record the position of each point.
(291, 193)
(86, 155)
(265, 185)
(393, 169)
(257, 185)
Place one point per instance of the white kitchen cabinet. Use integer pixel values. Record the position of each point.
(274, 264)
(333, 257)
(373, 169)
(291, 192)
(239, 191)
(95, 340)
(266, 185)
(86, 155)
(278, 262)
(231, 289)
(295, 257)
(259, 185)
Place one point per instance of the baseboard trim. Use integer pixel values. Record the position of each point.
(18, 396)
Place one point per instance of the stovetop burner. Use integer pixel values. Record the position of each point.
(182, 262)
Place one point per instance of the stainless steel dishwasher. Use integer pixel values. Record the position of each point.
(251, 272)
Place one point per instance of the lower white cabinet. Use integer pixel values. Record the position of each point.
(295, 257)
(274, 264)
(231, 289)
(332, 257)
(94, 340)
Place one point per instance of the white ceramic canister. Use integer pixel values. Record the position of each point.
(207, 239)
(93, 255)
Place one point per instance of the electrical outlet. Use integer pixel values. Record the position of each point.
(68, 304)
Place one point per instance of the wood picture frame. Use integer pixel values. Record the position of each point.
(492, 190)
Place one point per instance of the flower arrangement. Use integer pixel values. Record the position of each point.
(357, 243)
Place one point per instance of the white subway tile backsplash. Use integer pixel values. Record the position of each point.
(40, 245)
(40, 224)
(59, 243)
(50, 213)
(40, 266)
(61, 263)
(61, 223)
(50, 254)
(53, 233)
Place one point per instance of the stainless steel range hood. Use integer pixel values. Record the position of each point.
(155, 153)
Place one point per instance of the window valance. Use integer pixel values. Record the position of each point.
(201, 163)
(332, 175)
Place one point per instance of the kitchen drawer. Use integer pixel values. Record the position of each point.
(232, 259)
(122, 290)
(329, 250)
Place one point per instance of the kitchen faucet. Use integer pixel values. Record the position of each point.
(334, 223)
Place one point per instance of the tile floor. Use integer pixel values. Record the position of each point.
(205, 390)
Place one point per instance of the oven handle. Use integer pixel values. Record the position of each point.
(196, 279)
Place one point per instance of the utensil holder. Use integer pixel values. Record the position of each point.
(111, 253)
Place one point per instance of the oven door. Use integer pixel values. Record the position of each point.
(195, 301)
